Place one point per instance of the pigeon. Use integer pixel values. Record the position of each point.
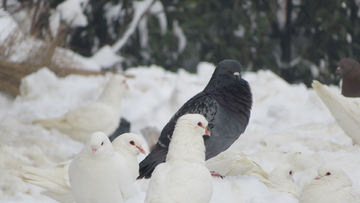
(332, 185)
(55, 180)
(281, 179)
(235, 162)
(99, 174)
(184, 176)
(349, 70)
(129, 145)
(346, 111)
(225, 102)
(102, 115)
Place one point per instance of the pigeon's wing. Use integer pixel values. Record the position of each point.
(158, 183)
(201, 103)
(92, 117)
(346, 111)
(125, 177)
(54, 180)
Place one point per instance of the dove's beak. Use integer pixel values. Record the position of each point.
(207, 132)
(142, 151)
(93, 149)
(317, 177)
(338, 70)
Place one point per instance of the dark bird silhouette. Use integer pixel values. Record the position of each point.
(349, 70)
(225, 102)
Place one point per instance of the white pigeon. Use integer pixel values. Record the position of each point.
(281, 179)
(98, 173)
(235, 162)
(332, 185)
(102, 115)
(129, 145)
(55, 180)
(183, 178)
(345, 110)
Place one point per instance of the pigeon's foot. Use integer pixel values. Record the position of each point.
(216, 174)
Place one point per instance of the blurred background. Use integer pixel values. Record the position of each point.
(300, 40)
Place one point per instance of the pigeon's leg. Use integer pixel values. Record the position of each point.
(216, 174)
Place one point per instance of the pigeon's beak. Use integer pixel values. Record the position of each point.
(317, 177)
(338, 70)
(207, 132)
(237, 75)
(94, 149)
(142, 151)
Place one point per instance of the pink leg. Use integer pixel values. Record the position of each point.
(215, 174)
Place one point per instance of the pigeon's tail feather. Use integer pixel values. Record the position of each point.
(50, 179)
(58, 123)
(147, 166)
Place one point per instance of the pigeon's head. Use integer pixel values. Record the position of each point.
(98, 143)
(346, 65)
(283, 172)
(196, 121)
(228, 68)
(328, 173)
(129, 141)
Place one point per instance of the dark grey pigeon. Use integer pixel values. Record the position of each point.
(349, 70)
(225, 102)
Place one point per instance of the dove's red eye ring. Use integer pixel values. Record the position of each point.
(328, 173)
(346, 65)
(200, 124)
(227, 69)
(132, 142)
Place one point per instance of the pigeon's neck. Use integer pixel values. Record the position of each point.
(351, 83)
(112, 95)
(231, 94)
(186, 145)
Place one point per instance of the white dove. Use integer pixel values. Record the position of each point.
(97, 174)
(102, 115)
(235, 162)
(55, 180)
(183, 178)
(332, 185)
(281, 179)
(345, 110)
(129, 145)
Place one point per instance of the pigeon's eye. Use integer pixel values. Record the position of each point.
(200, 124)
(132, 142)
(102, 143)
(328, 173)
(346, 65)
(227, 69)
(290, 172)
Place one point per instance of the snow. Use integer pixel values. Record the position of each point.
(289, 124)
(140, 7)
(178, 32)
(105, 57)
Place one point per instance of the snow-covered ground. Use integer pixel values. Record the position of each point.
(289, 124)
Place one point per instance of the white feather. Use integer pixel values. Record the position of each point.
(345, 110)
(184, 176)
(102, 115)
